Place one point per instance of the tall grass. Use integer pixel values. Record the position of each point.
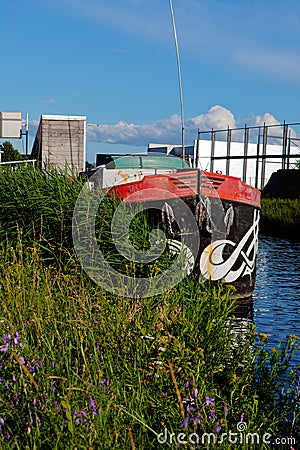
(85, 369)
(280, 217)
(39, 205)
(82, 368)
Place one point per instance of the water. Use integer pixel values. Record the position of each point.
(276, 298)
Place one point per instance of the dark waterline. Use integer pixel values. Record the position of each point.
(277, 292)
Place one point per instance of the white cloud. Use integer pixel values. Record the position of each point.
(134, 134)
(48, 101)
(266, 118)
(270, 120)
(217, 117)
(169, 130)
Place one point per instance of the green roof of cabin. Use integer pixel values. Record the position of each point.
(147, 162)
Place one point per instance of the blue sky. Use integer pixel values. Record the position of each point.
(114, 61)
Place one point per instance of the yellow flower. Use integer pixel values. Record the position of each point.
(264, 336)
(293, 336)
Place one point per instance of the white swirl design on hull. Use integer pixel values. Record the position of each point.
(213, 266)
(179, 248)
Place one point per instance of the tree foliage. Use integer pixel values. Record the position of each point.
(9, 152)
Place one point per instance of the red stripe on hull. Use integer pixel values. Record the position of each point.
(184, 184)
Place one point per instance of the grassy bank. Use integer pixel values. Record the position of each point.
(84, 369)
(280, 217)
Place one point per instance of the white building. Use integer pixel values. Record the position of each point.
(252, 169)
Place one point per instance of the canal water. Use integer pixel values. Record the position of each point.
(276, 299)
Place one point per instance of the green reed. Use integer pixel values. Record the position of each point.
(39, 205)
(280, 217)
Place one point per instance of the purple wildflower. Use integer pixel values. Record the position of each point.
(93, 405)
(80, 417)
(209, 401)
(242, 417)
(77, 417)
(226, 409)
(187, 384)
(190, 408)
(212, 414)
(218, 428)
(53, 386)
(185, 423)
(195, 419)
(10, 341)
(5, 348)
(195, 392)
(102, 382)
(16, 338)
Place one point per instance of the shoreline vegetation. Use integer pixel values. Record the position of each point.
(280, 218)
(82, 368)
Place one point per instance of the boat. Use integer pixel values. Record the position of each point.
(210, 218)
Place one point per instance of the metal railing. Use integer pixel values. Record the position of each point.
(21, 161)
(265, 137)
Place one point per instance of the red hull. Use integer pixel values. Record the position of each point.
(185, 184)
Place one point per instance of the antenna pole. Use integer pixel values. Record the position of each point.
(26, 133)
(179, 80)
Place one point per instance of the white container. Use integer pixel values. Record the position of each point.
(10, 124)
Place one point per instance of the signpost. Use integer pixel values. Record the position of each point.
(11, 126)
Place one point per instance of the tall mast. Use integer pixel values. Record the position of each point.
(179, 81)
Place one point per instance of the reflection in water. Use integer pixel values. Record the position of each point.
(277, 291)
(243, 316)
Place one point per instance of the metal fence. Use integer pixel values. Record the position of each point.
(264, 139)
